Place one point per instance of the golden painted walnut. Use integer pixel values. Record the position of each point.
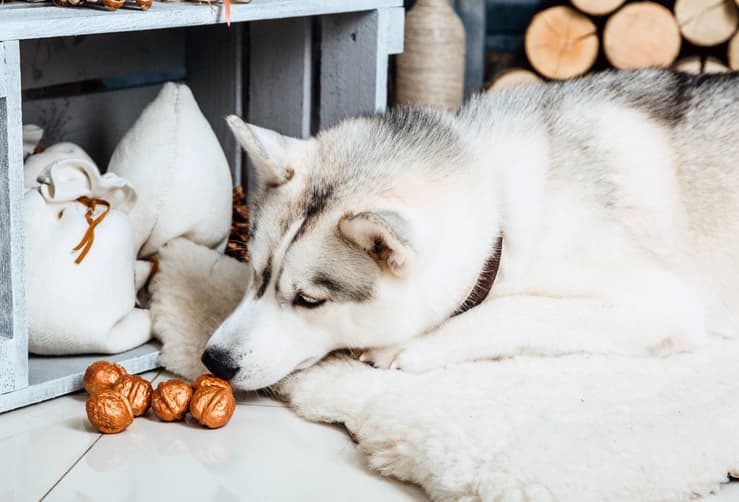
(211, 381)
(137, 390)
(102, 375)
(109, 411)
(212, 406)
(171, 400)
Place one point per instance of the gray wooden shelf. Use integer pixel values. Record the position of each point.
(21, 21)
(267, 72)
(50, 377)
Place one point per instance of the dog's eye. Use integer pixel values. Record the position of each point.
(303, 300)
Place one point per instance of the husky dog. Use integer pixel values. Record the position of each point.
(615, 198)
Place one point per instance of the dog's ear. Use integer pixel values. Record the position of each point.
(384, 235)
(267, 149)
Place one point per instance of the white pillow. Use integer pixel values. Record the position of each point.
(180, 172)
(85, 307)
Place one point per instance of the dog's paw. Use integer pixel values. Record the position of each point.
(414, 361)
(380, 358)
(423, 354)
(327, 391)
(416, 356)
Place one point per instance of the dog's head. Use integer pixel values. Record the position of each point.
(335, 244)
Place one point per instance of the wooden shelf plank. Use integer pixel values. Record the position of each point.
(13, 338)
(20, 21)
(50, 377)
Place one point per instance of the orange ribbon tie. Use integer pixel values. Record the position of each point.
(89, 237)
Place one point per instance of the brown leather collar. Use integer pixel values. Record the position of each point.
(484, 281)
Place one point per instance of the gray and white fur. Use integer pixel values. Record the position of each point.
(617, 196)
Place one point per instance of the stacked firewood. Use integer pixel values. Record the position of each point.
(566, 41)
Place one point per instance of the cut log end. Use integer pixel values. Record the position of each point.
(714, 65)
(514, 77)
(691, 64)
(706, 22)
(733, 55)
(696, 65)
(561, 43)
(598, 7)
(642, 35)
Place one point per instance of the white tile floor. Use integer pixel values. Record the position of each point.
(49, 451)
(266, 453)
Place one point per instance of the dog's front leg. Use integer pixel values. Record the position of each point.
(537, 325)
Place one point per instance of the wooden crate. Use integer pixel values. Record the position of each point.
(84, 75)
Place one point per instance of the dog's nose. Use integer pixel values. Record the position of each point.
(219, 363)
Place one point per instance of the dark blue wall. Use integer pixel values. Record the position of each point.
(506, 23)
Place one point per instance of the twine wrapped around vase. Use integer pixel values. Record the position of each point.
(430, 71)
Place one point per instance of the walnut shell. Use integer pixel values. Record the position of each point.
(171, 399)
(211, 381)
(101, 375)
(137, 390)
(212, 406)
(109, 411)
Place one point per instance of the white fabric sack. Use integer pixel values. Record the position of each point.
(38, 162)
(32, 135)
(180, 172)
(573, 428)
(86, 307)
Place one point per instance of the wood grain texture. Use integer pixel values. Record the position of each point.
(561, 43)
(7, 365)
(3, 84)
(50, 377)
(354, 53)
(472, 13)
(216, 82)
(281, 88)
(714, 65)
(21, 21)
(640, 35)
(698, 64)
(597, 7)
(706, 22)
(514, 77)
(56, 61)
(13, 333)
(395, 29)
(96, 122)
(733, 52)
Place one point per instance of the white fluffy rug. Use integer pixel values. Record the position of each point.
(529, 429)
